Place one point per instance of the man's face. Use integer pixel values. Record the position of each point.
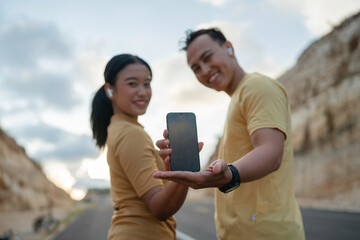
(211, 63)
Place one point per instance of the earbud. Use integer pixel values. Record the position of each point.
(110, 92)
(230, 51)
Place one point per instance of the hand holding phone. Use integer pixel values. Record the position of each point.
(182, 133)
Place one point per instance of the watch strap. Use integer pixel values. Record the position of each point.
(235, 181)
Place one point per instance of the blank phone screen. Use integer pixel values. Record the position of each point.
(183, 142)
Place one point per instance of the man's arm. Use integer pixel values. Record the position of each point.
(266, 156)
(264, 159)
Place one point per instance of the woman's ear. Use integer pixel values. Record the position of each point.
(108, 91)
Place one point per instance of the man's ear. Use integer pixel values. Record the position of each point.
(229, 48)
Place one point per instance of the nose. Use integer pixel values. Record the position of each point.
(205, 68)
(141, 91)
(203, 75)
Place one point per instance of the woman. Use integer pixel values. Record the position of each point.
(143, 206)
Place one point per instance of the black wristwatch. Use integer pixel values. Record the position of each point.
(235, 181)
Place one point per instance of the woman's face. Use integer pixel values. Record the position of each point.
(132, 90)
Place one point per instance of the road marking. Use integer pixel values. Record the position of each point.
(182, 236)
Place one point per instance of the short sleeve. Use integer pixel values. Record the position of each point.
(136, 155)
(265, 105)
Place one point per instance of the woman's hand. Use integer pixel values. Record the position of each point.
(165, 151)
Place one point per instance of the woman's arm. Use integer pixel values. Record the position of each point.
(165, 201)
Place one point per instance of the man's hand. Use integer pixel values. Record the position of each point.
(217, 174)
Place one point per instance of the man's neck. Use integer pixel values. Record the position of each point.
(237, 78)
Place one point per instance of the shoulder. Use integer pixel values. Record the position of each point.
(256, 80)
(125, 133)
(260, 85)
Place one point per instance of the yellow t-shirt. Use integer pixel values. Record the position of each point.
(133, 159)
(266, 208)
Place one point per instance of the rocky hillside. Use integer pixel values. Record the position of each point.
(23, 186)
(324, 91)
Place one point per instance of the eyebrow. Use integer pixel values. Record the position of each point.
(130, 78)
(201, 57)
(134, 78)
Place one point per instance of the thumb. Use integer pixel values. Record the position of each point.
(217, 168)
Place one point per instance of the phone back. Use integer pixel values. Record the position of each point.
(183, 141)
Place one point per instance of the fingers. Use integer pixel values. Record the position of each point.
(160, 175)
(217, 167)
(157, 174)
(165, 153)
(201, 144)
(166, 134)
(162, 144)
(175, 175)
(167, 163)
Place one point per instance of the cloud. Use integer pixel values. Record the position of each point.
(87, 183)
(59, 174)
(249, 53)
(215, 2)
(35, 66)
(91, 66)
(321, 15)
(61, 145)
(24, 42)
(41, 89)
(178, 78)
(41, 95)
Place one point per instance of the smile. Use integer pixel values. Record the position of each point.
(213, 77)
(141, 103)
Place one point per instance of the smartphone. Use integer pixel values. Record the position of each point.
(183, 139)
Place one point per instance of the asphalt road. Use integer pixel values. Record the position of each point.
(91, 225)
(195, 221)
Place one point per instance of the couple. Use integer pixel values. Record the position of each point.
(254, 173)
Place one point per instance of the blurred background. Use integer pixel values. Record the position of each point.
(52, 58)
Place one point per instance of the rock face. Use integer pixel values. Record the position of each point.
(324, 91)
(23, 186)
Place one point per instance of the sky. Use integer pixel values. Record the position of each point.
(53, 54)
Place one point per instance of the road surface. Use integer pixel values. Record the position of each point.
(195, 221)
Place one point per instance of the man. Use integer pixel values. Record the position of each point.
(254, 172)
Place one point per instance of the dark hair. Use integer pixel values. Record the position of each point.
(214, 33)
(102, 109)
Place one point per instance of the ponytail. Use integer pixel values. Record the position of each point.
(100, 116)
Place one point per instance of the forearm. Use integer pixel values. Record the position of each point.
(265, 158)
(168, 201)
(258, 163)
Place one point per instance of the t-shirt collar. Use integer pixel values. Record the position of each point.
(122, 116)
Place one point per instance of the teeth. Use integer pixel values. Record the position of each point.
(141, 102)
(213, 77)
